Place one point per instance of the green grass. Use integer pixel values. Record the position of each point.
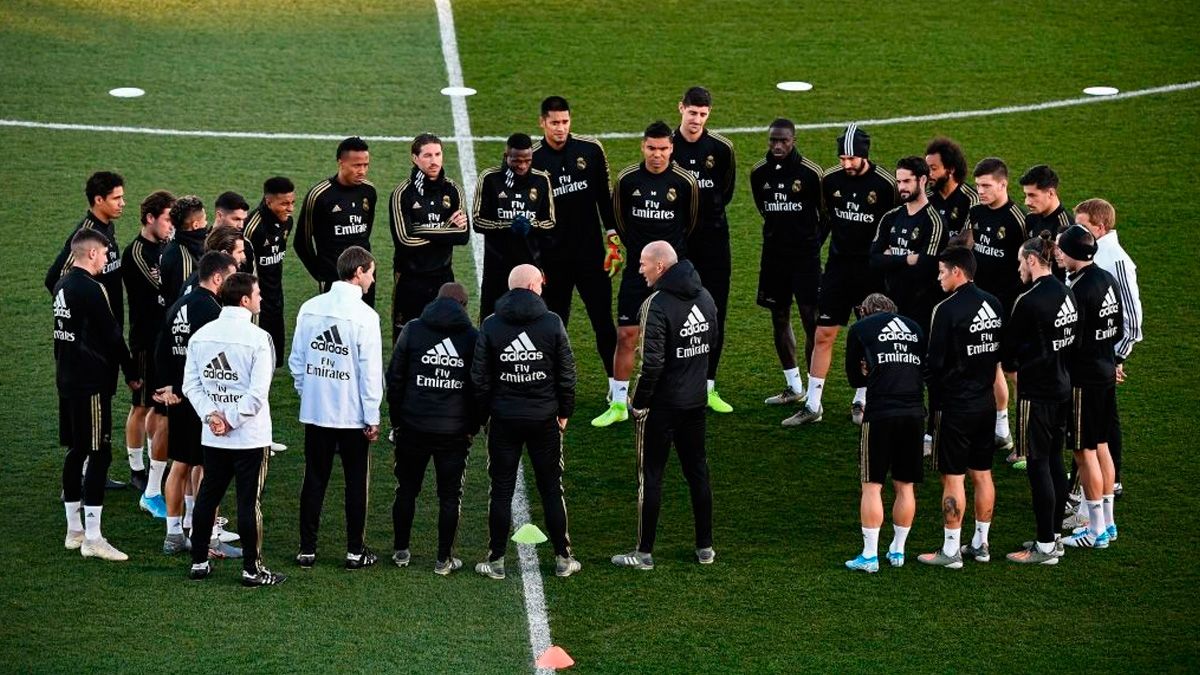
(786, 515)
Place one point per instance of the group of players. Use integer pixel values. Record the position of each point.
(953, 287)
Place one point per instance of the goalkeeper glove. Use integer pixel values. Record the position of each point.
(521, 225)
(614, 259)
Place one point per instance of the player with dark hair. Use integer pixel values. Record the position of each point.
(514, 211)
(857, 193)
(585, 249)
(709, 157)
(884, 353)
(105, 192)
(139, 267)
(995, 231)
(1047, 215)
(1034, 352)
(231, 209)
(267, 230)
(427, 218)
(181, 254)
(948, 192)
(960, 367)
(654, 200)
(787, 193)
(338, 213)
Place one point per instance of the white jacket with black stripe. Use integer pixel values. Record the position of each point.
(1112, 258)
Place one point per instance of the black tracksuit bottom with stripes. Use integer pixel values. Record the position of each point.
(221, 466)
(320, 445)
(654, 435)
(414, 449)
(506, 438)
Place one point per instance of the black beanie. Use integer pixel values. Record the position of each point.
(1074, 242)
(854, 142)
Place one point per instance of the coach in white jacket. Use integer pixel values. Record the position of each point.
(227, 379)
(337, 362)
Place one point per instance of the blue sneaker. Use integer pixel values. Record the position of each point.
(1111, 531)
(155, 506)
(896, 558)
(869, 565)
(1083, 538)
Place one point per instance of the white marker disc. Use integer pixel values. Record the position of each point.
(126, 92)
(793, 86)
(1101, 91)
(458, 91)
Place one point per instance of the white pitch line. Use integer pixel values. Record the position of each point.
(531, 575)
(461, 136)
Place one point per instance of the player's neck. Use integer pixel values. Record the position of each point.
(98, 217)
(556, 146)
(343, 181)
(210, 289)
(917, 204)
(1050, 211)
(691, 138)
(1037, 274)
(999, 204)
(148, 235)
(949, 188)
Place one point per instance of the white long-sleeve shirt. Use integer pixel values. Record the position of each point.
(1112, 258)
(337, 360)
(228, 370)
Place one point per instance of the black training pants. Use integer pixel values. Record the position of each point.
(320, 445)
(85, 428)
(543, 438)
(449, 453)
(708, 249)
(654, 435)
(249, 469)
(595, 289)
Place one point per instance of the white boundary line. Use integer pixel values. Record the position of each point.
(464, 134)
(531, 576)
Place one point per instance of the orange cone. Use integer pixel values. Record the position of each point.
(554, 657)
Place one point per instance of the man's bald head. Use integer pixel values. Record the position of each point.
(527, 277)
(657, 257)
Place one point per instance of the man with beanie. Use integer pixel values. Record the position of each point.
(1093, 367)
(679, 329)
(524, 379)
(430, 397)
(337, 363)
(857, 193)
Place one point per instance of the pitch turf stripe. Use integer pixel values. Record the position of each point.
(465, 135)
(531, 576)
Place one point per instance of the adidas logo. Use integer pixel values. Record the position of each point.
(330, 342)
(219, 369)
(896, 331)
(1110, 305)
(521, 349)
(985, 319)
(61, 311)
(1066, 313)
(180, 325)
(336, 209)
(696, 323)
(637, 192)
(444, 354)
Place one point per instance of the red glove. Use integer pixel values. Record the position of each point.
(614, 258)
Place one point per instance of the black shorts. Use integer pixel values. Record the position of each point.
(412, 293)
(85, 422)
(845, 284)
(892, 444)
(183, 434)
(1041, 428)
(963, 441)
(143, 369)
(1093, 409)
(632, 294)
(784, 277)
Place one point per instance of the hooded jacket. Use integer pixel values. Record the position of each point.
(428, 382)
(524, 368)
(679, 328)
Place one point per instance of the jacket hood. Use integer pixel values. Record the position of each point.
(520, 306)
(682, 280)
(445, 314)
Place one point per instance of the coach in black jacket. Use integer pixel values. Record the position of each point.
(524, 379)
(679, 330)
(433, 416)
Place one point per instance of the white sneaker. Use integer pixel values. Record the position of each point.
(219, 531)
(927, 445)
(277, 447)
(100, 548)
(74, 540)
(1075, 521)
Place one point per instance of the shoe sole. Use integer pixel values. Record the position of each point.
(400, 564)
(957, 565)
(813, 420)
(102, 557)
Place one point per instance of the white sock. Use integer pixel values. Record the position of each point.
(870, 542)
(136, 461)
(816, 386)
(899, 539)
(981, 533)
(174, 524)
(1095, 509)
(1082, 510)
(1109, 502)
(74, 520)
(154, 482)
(950, 545)
(1002, 423)
(149, 445)
(1045, 548)
(860, 395)
(189, 504)
(612, 387)
(792, 375)
(91, 522)
(620, 392)
(712, 384)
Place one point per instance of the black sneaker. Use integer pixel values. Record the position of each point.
(138, 480)
(200, 571)
(306, 560)
(264, 577)
(110, 484)
(364, 559)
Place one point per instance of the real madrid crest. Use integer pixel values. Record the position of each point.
(366, 204)
(796, 185)
(871, 197)
(533, 194)
(671, 194)
(581, 163)
(1000, 232)
(445, 201)
(916, 232)
(709, 162)
(954, 213)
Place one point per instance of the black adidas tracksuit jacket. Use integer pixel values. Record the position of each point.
(1038, 334)
(679, 329)
(88, 344)
(429, 382)
(964, 347)
(1093, 359)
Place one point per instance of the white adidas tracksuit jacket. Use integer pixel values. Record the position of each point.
(337, 360)
(1112, 258)
(228, 369)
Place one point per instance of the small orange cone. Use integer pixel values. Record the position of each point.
(555, 657)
